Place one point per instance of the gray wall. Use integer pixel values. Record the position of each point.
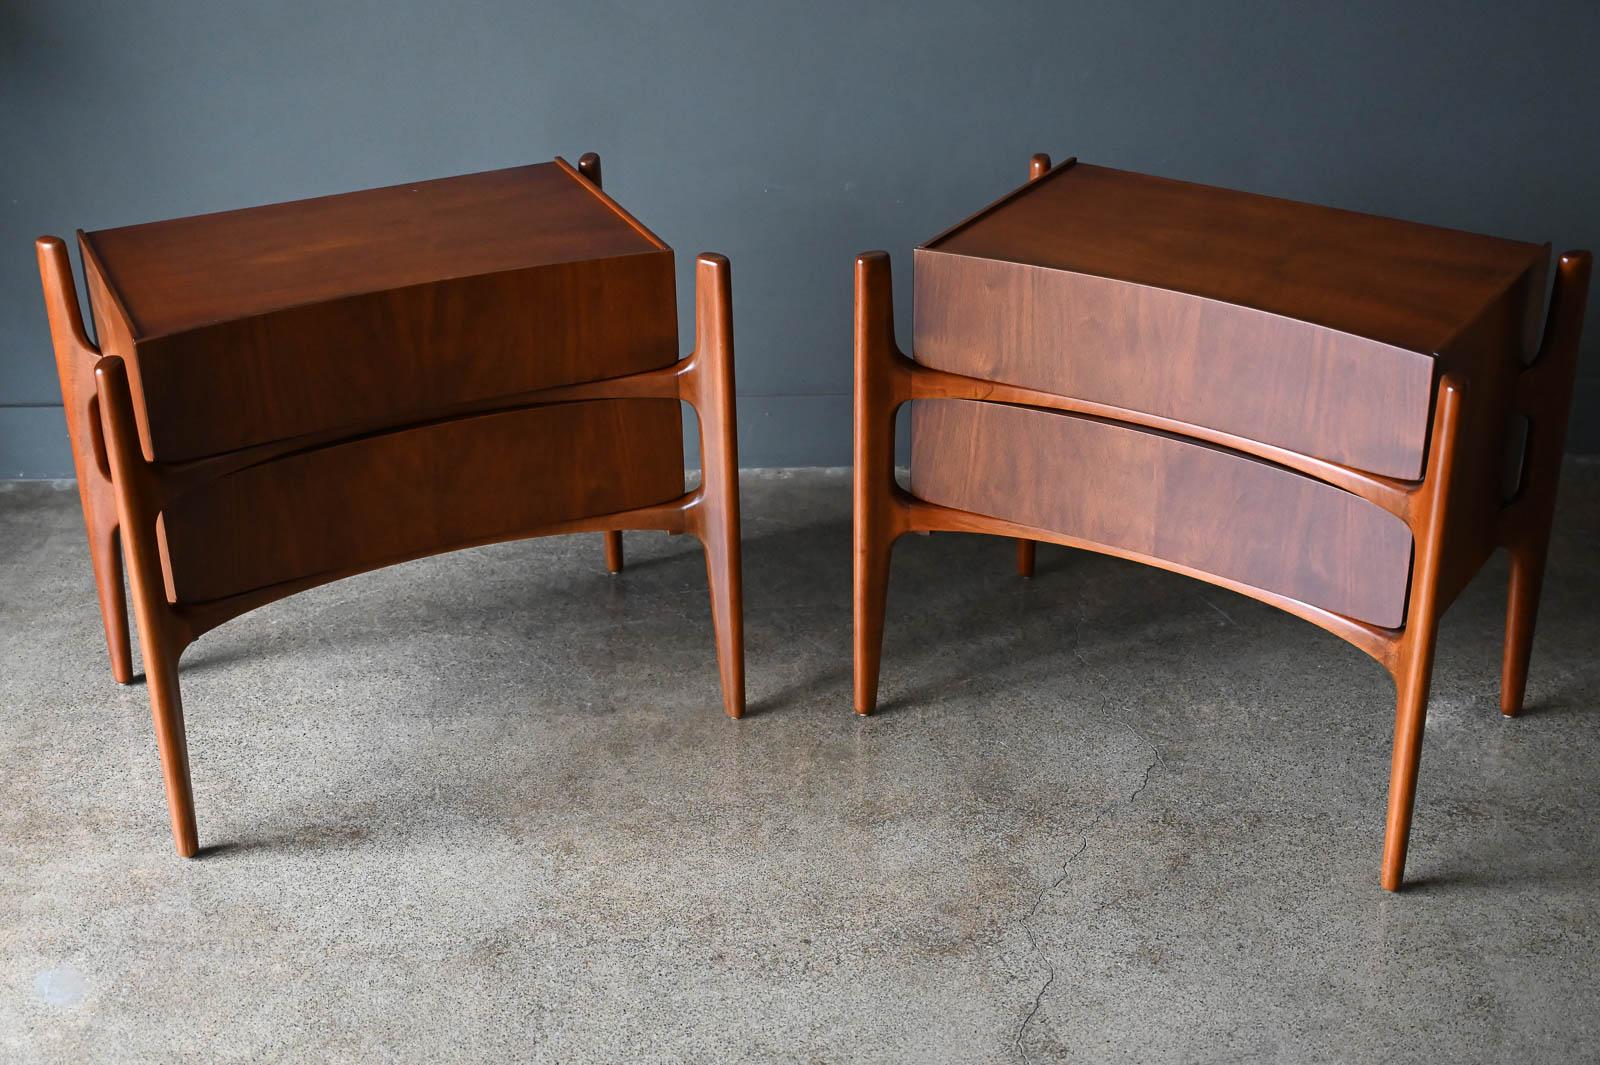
(787, 136)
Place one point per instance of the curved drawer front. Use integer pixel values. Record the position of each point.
(394, 356)
(1229, 368)
(416, 491)
(1165, 497)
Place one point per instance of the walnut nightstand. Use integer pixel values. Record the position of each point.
(1337, 414)
(283, 396)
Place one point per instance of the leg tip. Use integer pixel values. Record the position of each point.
(865, 695)
(185, 830)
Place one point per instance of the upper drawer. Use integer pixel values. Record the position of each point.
(379, 307)
(1232, 369)
(1307, 328)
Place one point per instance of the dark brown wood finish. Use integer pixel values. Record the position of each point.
(1155, 496)
(593, 445)
(1312, 329)
(1150, 349)
(349, 311)
(1011, 463)
(399, 494)
(75, 359)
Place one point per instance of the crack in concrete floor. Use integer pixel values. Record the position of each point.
(1083, 844)
(1066, 868)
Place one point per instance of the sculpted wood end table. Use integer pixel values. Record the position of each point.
(283, 396)
(1337, 414)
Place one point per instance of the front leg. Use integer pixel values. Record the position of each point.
(709, 386)
(161, 638)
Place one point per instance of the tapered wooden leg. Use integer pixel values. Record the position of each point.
(872, 553)
(160, 638)
(1410, 715)
(1522, 610)
(613, 551)
(876, 514)
(166, 712)
(716, 515)
(1026, 549)
(1413, 662)
(75, 361)
(1544, 397)
(105, 556)
(727, 618)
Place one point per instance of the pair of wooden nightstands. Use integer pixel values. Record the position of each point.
(1337, 414)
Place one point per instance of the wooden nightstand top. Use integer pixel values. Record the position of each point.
(188, 273)
(1413, 286)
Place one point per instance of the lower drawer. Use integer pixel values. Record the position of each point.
(1166, 498)
(412, 492)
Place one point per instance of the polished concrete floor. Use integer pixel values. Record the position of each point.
(486, 807)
